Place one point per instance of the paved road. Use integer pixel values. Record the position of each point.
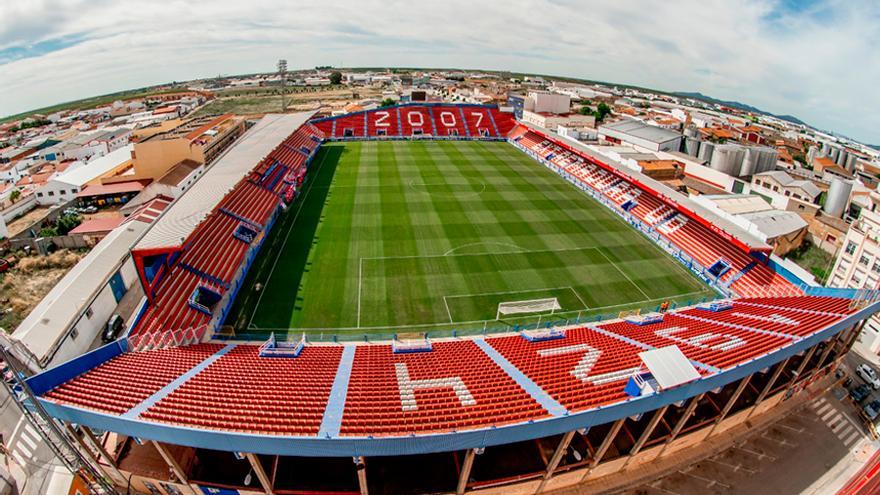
(32, 464)
(812, 451)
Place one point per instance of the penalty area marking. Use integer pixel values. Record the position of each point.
(519, 249)
(472, 322)
(586, 307)
(622, 273)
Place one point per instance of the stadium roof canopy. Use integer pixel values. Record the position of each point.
(193, 206)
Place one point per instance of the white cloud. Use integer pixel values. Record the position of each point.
(816, 59)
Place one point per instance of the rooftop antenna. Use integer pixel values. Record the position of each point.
(282, 73)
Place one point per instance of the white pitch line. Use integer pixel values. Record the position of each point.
(622, 273)
(541, 289)
(577, 295)
(429, 256)
(449, 313)
(520, 249)
(360, 278)
(287, 236)
(474, 322)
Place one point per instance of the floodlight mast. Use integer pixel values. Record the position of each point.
(282, 74)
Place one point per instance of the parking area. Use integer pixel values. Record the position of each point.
(811, 451)
(853, 361)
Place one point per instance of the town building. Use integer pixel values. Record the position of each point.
(640, 135)
(858, 264)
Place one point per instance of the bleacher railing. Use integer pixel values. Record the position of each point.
(168, 338)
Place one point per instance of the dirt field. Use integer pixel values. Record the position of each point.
(25, 284)
(258, 100)
(18, 225)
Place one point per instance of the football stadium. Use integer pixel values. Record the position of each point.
(437, 298)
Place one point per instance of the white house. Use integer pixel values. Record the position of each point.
(64, 187)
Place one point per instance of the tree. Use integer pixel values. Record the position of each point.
(335, 77)
(585, 110)
(602, 110)
(48, 232)
(14, 195)
(66, 223)
(387, 102)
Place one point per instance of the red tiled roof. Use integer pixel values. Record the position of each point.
(98, 225)
(117, 188)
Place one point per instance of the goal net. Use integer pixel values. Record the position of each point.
(550, 304)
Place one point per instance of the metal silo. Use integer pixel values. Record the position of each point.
(833, 154)
(851, 162)
(838, 197)
(759, 159)
(706, 150)
(692, 146)
(728, 159)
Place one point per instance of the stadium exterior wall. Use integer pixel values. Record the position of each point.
(422, 444)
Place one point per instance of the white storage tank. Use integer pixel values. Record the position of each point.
(759, 159)
(838, 197)
(706, 150)
(728, 159)
(692, 146)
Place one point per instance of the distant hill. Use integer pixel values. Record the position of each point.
(738, 105)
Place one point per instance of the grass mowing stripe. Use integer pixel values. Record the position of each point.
(504, 223)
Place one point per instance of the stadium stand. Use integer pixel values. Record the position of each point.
(444, 394)
(416, 121)
(454, 386)
(742, 272)
(550, 363)
(126, 380)
(705, 342)
(449, 121)
(438, 120)
(275, 396)
(382, 122)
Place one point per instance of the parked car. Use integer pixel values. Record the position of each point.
(872, 410)
(4, 265)
(869, 375)
(860, 393)
(114, 327)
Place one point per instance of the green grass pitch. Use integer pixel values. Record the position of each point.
(418, 236)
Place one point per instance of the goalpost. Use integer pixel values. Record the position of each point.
(550, 304)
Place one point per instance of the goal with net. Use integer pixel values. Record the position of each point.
(550, 304)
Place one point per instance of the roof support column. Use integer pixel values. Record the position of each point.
(730, 402)
(857, 330)
(94, 457)
(848, 343)
(828, 348)
(800, 368)
(767, 388)
(100, 446)
(171, 461)
(600, 453)
(646, 434)
(362, 474)
(260, 472)
(554, 461)
(688, 412)
(465, 471)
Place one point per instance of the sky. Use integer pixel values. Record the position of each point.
(818, 60)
